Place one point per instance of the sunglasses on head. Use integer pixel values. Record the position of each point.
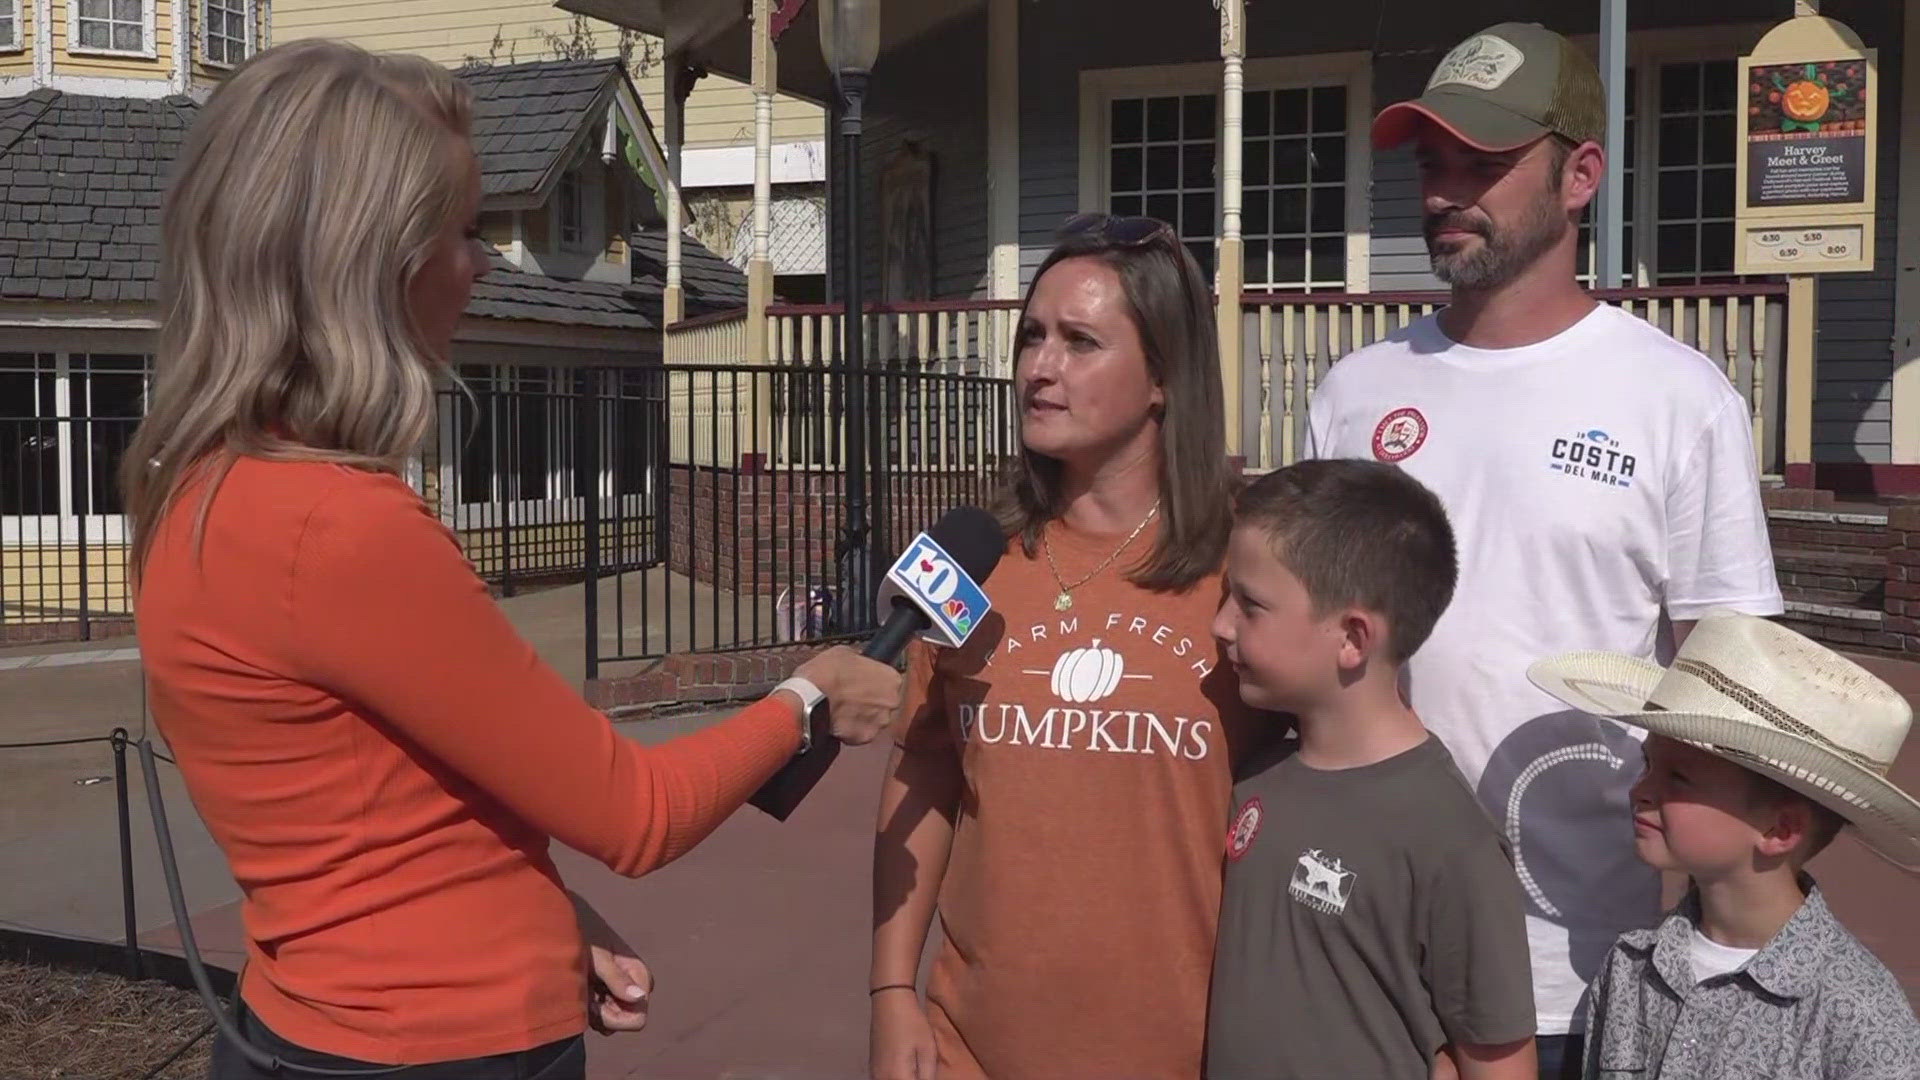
(1121, 231)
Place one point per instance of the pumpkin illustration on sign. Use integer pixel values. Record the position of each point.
(1087, 674)
(1808, 96)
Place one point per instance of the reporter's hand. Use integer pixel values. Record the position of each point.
(901, 1046)
(863, 695)
(619, 986)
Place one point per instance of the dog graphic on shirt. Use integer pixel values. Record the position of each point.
(1321, 882)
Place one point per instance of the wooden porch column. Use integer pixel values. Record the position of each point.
(678, 80)
(759, 264)
(1003, 150)
(1229, 263)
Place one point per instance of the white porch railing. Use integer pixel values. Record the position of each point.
(933, 389)
(1292, 339)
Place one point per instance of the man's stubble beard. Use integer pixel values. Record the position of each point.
(1505, 252)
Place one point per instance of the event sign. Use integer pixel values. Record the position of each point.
(1805, 188)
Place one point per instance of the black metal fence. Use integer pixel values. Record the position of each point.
(709, 504)
(754, 506)
(62, 533)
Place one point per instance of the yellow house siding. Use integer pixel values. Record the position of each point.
(66, 62)
(719, 112)
(20, 62)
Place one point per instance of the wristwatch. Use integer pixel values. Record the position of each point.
(810, 698)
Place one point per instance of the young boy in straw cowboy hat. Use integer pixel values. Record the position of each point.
(1762, 746)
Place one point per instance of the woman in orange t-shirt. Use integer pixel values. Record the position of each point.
(1060, 789)
(380, 756)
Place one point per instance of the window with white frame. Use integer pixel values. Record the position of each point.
(10, 25)
(227, 37)
(1694, 184)
(1160, 153)
(570, 210)
(1150, 139)
(65, 422)
(511, 439)
(1294, 201)
(111, 25)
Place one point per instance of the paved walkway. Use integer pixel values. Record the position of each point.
(758, 938)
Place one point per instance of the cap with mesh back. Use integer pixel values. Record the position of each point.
(1503, 88)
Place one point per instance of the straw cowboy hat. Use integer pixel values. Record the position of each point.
(1772, 701)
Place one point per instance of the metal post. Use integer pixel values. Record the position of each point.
(503, 506)
(586, 420)
(119, 743)
(1608, 219)
(853, 87)
(85, 442)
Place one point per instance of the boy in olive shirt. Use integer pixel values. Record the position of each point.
(1372, 925)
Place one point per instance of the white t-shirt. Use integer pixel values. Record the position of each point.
(1594, 480)
(1709, 959)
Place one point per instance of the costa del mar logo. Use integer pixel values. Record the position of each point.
(1592, 455)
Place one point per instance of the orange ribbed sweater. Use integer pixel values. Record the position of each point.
(382, 758)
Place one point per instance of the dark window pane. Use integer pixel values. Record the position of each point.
(1583, 251)
(1254, 266)
(1254, 111)
(1627, 258)
(1716, 248)
(1196, 214)
(1329, 161)
(1679, 140)
(1196, 165)
(1255, 156)
(1720, 89)
(93, 9)
(1290, 211)
(1202, 251)
(1676, 250)
(1164, 208)
(1632, 92)
(126, 10)
(1163, 166)
(1679, 88)
(1679, 194)
(1163, 119)
(1290, 161)
(1329, 108)
(1329, 209)
(1254, 220)
(1716, 193)
(93, 35)
(1125, 168)
(1626, 198)
(1289, 262)
(1290, 112)
(1197, 117)
(1329, 259)
(129, 38)
(1125, 120)
(1716, 140)
(1631, 149)
(1125, 205)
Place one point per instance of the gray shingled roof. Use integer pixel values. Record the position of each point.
(707, 282)
(507, 293)
(80, 185)
(526, 115)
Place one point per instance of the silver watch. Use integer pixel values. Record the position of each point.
(810, 698)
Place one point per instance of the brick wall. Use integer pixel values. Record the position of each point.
(752, 532)
(699, 678)
(1903, 578)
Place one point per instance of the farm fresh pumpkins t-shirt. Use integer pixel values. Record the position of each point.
(1078, 911)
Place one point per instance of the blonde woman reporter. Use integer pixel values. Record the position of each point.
(380, 756)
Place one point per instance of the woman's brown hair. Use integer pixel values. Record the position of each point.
(1172, 308)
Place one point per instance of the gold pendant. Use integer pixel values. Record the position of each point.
(1063, 601)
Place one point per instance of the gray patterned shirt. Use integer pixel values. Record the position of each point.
(1813, 1004)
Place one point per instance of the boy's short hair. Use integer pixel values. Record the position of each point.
(1764, 791)
(1360, 533)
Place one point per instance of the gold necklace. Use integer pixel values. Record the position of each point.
(1065, 599)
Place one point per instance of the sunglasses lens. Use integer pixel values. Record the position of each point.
(1118, 230)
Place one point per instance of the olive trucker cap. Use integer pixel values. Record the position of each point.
(1503, 88)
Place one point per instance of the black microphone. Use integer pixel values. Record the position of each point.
(932, 589)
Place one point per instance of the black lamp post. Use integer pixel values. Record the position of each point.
(850, 43)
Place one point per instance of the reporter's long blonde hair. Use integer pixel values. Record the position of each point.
(307, 197)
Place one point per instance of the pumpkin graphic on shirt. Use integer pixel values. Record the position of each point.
(1087, 674)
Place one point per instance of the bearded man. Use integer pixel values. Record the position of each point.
(1599, 475)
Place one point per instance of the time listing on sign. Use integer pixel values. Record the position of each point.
(1837, 244)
